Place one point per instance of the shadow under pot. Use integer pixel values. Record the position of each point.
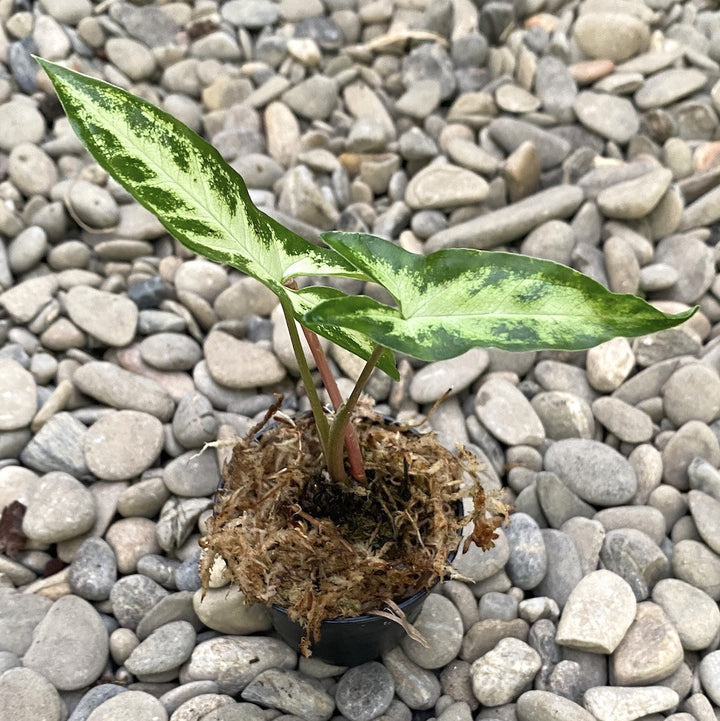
(273, 532)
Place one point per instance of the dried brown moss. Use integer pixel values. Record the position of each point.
(325, 550)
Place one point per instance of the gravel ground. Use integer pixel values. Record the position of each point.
(583, 132)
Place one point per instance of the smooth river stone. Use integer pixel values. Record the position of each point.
(240, 364)
(511, 222)
(507, 413)
(109, 317)
(445, 186)
(70, 644)
(19, 396)
(595, 472)
(122, 445)
(598, 613)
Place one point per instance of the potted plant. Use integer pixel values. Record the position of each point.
(339, 514)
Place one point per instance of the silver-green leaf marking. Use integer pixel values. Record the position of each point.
(456, 299)
(195, 194)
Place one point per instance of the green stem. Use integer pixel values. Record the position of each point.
(321, 421)
(357, 470)
(336, 465)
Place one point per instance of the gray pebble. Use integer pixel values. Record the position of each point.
(501, 675)
(194, 422)
(170, 351)
(192, 475)
(165, 649)
(564, 415)
(507, 413)
(19, 615)
(71, 629)
(710, 675)
(131, 704)
(692, 393)
(61, 508)
(93, 570)
(416, 687)
(225, 610)
(20, 122)
(631, 664)
(290, 691)
(26, 694)
(18, 389)
(564, 570)
(692, 612)
(624, 703)
(633, 556)
(597, 473)
(93, 698)
(440, 624)
(132, 597)
(546, 706)
(558, 502)
(364, 692)
(122, 389)
(122, 445)
(527, 563)
(159, 568)
(692, 440)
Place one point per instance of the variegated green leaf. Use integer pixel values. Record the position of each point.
(305, 299)
(456, 299)
(185, 182)
(195, 194)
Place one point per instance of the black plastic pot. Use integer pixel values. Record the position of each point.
(355, 640)
(350, 641)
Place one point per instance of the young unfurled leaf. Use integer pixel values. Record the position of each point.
(456, 299)
(195, 194)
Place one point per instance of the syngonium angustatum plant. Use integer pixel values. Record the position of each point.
(445, 303)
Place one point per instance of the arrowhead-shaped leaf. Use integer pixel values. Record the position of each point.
(456, 299)
(195, 194)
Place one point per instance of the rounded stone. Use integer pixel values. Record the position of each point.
(233, 661)
(595, 472)
(226, 611)
(132, 597)
(31, 169)
(26, 695)
(692, 612)
(93, 570)
(440, 624)
(109, 317)
(61, 508)
(93, 205)
(130, 705)
(20, 122)
(131, 539)
(631, 664)
(445, 186)
(131, 57)
(507, 413)
(122, 445)
(71, 630)
(240, 364)
(614, 36)
(165, 649)
(19, 395)
(692, 393)
(502, 674)
(710, 676)
(170, 351)
(365, 692)
(527, 563)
